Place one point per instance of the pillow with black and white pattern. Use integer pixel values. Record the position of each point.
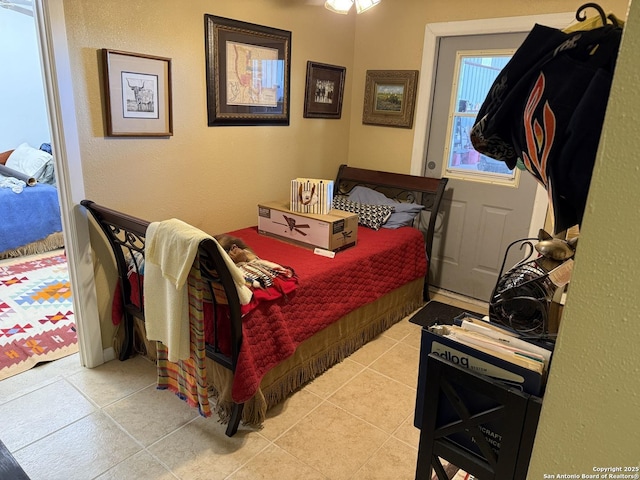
(369, 215)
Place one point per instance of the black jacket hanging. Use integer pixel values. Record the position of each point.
(547, 107)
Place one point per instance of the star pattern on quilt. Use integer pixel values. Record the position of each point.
(49, 291)
(8, 332)
(13, 281)
(57, 317)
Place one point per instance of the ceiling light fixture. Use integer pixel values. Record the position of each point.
(343, 6)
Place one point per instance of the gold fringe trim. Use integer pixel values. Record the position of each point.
(141, 346)
(309, 370)
(255, 409)
(51, 242)
(386, 312)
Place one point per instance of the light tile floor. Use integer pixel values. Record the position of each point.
(65, 422)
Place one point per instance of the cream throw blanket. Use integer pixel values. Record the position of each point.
(171, 247)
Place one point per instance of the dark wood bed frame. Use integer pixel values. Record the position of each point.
(126, 236)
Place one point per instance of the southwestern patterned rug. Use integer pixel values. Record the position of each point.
(36, 312)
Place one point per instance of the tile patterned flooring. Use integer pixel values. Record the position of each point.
(65, 422)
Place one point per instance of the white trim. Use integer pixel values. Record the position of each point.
(109, 354)
(433, 33)
(539, 213)
(52, 39)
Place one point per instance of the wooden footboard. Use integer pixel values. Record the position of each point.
(127, 236)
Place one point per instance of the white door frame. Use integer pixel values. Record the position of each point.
(58, 85)
(433, 32)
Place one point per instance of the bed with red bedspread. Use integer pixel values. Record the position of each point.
(329, 288)
(259, 357)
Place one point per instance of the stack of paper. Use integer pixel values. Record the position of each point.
(497, 342)
(491, 350)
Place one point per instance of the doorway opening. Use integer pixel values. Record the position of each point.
(36, 312)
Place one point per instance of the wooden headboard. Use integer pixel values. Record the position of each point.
(402, 187)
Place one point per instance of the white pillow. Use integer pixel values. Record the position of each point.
(29, 160)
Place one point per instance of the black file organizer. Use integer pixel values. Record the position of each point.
(513, 413)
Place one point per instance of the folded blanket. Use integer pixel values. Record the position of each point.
(170, 250)
(13, 183)
(244, 293)
(171, 247)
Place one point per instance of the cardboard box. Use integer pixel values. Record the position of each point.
(335, 231)
(311, 195)
(556, 308)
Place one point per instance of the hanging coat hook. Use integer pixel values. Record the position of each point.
(581, 16)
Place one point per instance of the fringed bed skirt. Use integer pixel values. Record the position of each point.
(51, 242)
(316, 354)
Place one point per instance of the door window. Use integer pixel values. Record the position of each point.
(474, 74)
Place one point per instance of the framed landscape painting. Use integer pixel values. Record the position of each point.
(390, 97)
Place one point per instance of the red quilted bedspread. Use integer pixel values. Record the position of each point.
(328, 289)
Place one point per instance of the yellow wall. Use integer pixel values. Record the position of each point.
(590, 414)
(213, 177)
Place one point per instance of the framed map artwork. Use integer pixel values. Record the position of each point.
(248, 71)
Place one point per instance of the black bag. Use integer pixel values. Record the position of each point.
(546, 108)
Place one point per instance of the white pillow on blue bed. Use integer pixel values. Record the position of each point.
(29, 160)
(403, 215)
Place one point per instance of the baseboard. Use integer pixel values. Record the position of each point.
(109, 354)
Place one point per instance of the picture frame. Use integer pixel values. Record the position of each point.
(137, 94)
(236, 93)
(324, 90)
(390, 97)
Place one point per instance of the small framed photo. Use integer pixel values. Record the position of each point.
(138, 94)
(324, 90)
(248, 70)
(390, 97)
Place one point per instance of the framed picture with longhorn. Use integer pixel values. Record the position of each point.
(137, 94)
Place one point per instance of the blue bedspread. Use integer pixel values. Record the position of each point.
(28, 216)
